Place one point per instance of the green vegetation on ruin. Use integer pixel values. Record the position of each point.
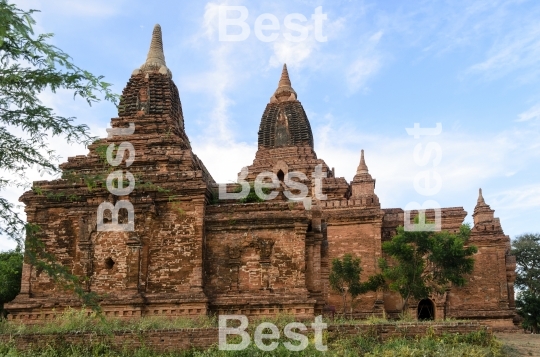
(473, 344)
(480, 343)
(82, 321)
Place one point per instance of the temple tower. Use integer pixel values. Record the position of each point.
(285, 138)
(489, 294)
(158, 261)
(363, 185)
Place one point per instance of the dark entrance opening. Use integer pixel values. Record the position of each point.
(280, 176)
(426, 310)
(109, 263)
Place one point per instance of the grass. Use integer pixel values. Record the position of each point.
(78, 321)
(479, 343)
(375, 320)
(475, 344)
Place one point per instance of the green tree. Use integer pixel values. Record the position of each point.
(345, 279)
(424, 262)
(29, 66)
(10, 276)
(526, 248)
(528, 307)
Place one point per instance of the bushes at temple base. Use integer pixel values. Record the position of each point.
(479, 343)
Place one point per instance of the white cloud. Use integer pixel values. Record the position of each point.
(366, 65)
(360, 71)
(217, 82)
(504, 33)
(532, 113)
(210, 19)
(292, 53)
(306, 52)
(519, 49)
(520, 198)
(223, 155)
(225, 162)
(468, 160)
(515, 48)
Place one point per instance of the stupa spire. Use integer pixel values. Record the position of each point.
(482, 211)
(284, 81)
(155, 53)
(480, 198)
(362, 168)
(155, 60)
(363, 185)
(362, 172)
(284, 92)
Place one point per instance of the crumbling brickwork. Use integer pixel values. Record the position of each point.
(191, 253)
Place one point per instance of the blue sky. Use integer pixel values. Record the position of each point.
(473, 66)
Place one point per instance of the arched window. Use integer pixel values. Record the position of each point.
(280, 175)
(109, 263)
(426, 310)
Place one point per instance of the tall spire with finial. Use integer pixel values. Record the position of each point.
(155, 60)
(284, 81)
(155, 53)
(284, 92)
(480, 200)
(362, 168)
(362, 172)
(481, 204)
(482, 211)
(363, 185)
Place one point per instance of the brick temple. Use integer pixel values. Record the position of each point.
(191, 253)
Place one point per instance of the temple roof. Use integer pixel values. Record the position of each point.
(284, 122)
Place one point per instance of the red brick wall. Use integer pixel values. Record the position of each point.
(356, 231)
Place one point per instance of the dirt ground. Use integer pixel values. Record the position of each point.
(520, 344)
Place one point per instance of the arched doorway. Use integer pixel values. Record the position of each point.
(281, 175)
(426, 310)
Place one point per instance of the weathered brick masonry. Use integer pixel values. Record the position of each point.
(191, 254)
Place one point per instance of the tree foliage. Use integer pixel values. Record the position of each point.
(528, 307)
(29, 66)
(345, 279)
(10, 276)
(426, 262)
(526, 249)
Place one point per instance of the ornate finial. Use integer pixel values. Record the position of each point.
(155, 61)
(284, 81)
(284, 92)
(155, 53)
(480, 197)
(483, 213)
(362, 168)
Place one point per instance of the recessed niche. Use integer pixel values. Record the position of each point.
(281, 175)
(109, 263)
